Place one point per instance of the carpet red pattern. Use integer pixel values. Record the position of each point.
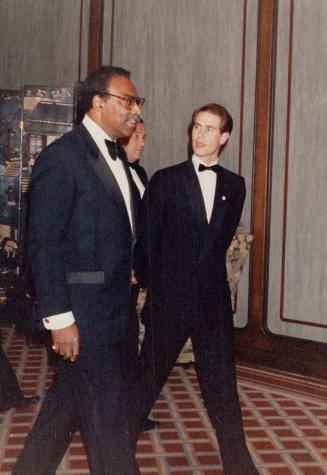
(285, 418)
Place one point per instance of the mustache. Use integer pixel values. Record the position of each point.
(134, 117)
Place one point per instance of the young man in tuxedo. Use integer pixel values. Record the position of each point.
(82, 234)
(192, 212)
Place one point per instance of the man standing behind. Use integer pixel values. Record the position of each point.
(133, 147)
(82, 232)
(193, 210)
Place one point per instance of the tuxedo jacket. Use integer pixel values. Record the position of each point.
(186, 255)
(141, 173)
(138, 263)
(80, 239)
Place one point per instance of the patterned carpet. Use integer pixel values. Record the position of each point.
(285, 419)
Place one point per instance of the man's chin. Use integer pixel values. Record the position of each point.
(199, 152)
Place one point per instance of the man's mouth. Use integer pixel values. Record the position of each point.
(133, 119)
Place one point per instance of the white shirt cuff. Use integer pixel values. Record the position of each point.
(57, 322)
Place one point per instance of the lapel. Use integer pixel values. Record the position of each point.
(133, 193)
(220, 207)
(141, 174)
(104, 173)
(194, 194)
(196, 204)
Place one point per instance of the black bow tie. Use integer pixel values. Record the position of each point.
(133, 164)
(113, 148)
(213, 168)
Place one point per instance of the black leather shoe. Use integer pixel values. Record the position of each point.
(148, 424)
(26, 402)
(21, 403)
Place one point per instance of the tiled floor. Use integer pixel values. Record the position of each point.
(285, 420)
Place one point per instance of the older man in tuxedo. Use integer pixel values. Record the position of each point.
(192, 212)
(82, 234)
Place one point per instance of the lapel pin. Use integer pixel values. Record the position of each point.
(223, 198)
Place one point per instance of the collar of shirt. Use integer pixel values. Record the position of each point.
(116, 166)
(208, 183)
(138, 182)
(196, 162)
(98, 135)
(94, 129)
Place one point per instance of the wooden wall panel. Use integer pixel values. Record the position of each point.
(95, 35)
(108, 31)
(297, 297)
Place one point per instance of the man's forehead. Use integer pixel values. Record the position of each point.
(207, 119)
(139, 129)
(122, 85)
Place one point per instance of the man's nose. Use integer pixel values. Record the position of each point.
(136, 109)
(201, 132)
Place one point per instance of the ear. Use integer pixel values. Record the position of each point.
(97, 102)
(224, 137)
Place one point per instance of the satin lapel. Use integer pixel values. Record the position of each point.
(106, 177)
(220, 207)
(134, 194)
(194, 194)
(102, 169)
(84, 134)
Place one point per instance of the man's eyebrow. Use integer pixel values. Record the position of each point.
(208, 126)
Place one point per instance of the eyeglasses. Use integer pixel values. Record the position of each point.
(130, 100)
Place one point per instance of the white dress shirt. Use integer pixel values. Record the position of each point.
(63, 320)
(138, 182)
(208, 183)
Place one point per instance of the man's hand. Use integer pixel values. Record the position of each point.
(66, 342)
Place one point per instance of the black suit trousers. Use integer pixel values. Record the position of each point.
(10, 393)
(215, 368)
(132, 368)
(87, 394)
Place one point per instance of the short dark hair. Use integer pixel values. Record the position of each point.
(226, 121)
(96, 84)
